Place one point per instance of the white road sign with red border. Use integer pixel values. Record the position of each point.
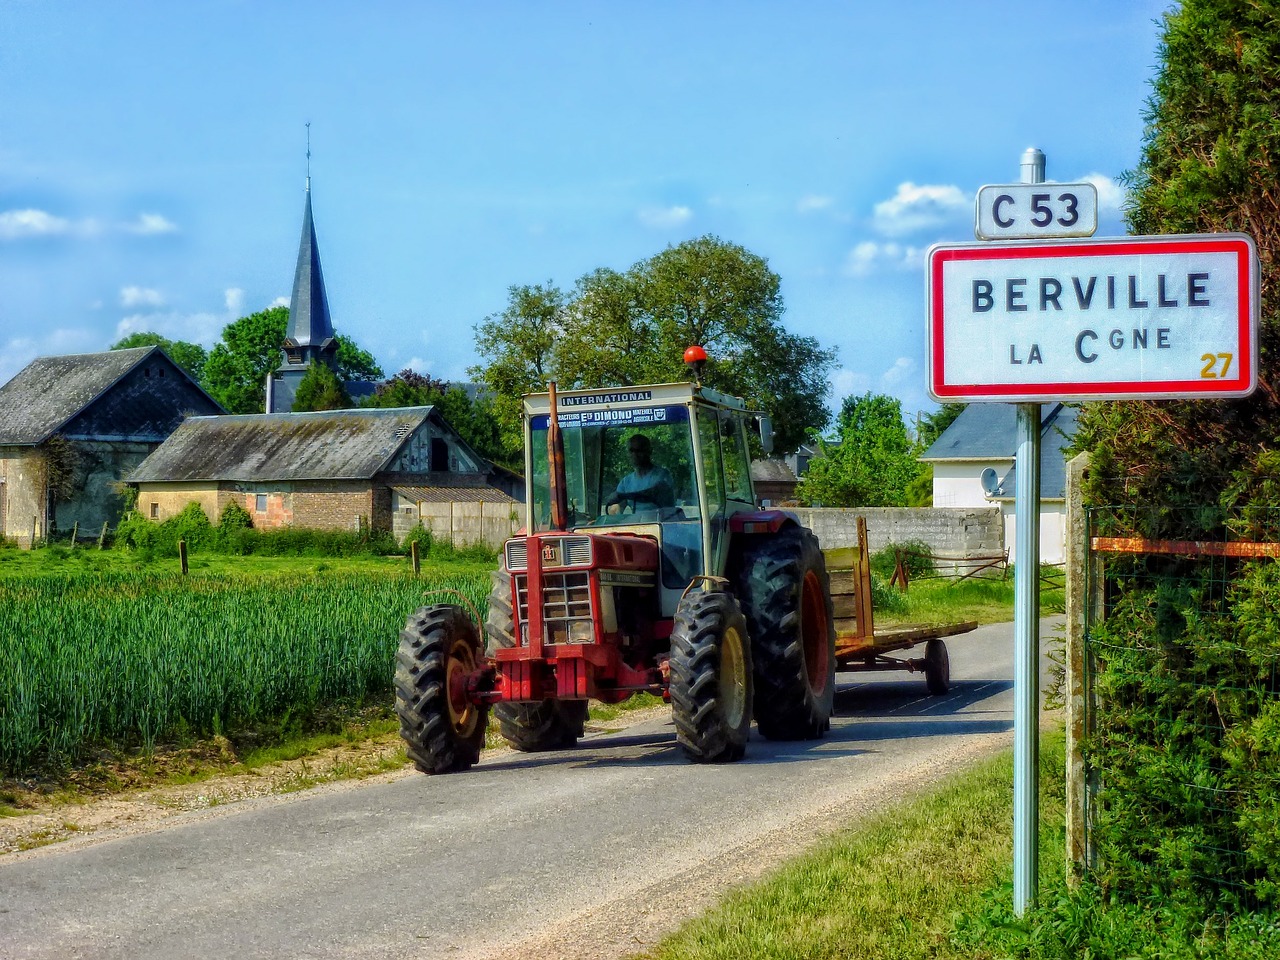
(1131, 317)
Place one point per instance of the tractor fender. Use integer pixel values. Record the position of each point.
(762, 521)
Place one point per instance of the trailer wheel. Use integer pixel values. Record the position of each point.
(786, 596)
(530, 727)
(937, 667)
(442, 731)
(711, 677)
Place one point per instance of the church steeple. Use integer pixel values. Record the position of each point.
(309, 337)
(309, 322)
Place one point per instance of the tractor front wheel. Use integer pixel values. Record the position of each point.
(711, 677)
(531, 727)
(442, 730)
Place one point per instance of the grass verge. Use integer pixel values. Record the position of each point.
(931, 878)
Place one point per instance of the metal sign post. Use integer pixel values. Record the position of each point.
(1026, 635)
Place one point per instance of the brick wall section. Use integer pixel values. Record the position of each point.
(951, 531)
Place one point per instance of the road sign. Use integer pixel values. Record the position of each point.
(1133, 317)
(1036, 211)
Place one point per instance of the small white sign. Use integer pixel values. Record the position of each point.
(1133, 317)
(1036, 211)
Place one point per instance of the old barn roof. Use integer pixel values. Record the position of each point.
(455, 493)
(49, 392)
(328, 445)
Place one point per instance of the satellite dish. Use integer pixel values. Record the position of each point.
(991, 482)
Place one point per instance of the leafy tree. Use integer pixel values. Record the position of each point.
(870, 462)
(408, 388)
(519, 344)
(320, 389)
(190, 357)
(236, 372)
(618, 329)
(354, 363)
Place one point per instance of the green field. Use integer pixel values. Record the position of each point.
(120, 658)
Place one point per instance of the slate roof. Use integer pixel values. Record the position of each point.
(989, 431)
(771, 471)
(49, 392)
(455, 493)
(326, 445)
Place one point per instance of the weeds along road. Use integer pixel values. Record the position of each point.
(593, 852)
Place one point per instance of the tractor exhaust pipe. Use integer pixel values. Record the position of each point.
(555, 461)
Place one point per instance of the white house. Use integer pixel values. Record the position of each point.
(985, 436)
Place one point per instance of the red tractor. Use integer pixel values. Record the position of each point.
(645, 565)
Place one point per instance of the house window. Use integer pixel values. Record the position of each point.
(260, 503)
(155, 511)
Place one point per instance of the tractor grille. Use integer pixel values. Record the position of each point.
(566, 606)
(556, 552)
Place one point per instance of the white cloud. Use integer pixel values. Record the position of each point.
(919, 207)
(234, 299)
(1111, 195)
(17, 352)
(149, 224)
(23, 224)
(870, 257)
(20, 224)
(848, 383)
(278, 302)
(132, 297)
(665, 217)
(902, 370)
(813, 203)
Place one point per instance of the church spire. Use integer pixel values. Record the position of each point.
(309, 322)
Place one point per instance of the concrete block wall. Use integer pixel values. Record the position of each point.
(950, 531)
(465, 523)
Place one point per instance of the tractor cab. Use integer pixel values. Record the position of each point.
(669, 462)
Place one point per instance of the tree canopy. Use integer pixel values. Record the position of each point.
(320, 389)
(620, 329)
(1210, 162)
(191, 357)
(870, 462)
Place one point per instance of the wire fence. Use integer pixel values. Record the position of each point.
(1182, 654)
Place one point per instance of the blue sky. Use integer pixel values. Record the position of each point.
(152, 156)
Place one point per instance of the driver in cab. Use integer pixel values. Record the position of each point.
(646, 483)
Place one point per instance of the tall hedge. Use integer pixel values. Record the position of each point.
(1188, 743)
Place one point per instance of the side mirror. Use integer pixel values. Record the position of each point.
(765, 426)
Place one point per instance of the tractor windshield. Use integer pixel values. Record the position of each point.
(619, 472)
(625, 467)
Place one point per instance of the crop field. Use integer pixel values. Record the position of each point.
(117, 658)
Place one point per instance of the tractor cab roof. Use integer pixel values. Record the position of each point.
(647, 395)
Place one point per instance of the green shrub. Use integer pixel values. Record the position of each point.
(234, 517)
(916, 558)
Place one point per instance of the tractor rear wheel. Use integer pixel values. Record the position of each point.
(442, 730)
(711, 677)
(531, 727)
(786, 597)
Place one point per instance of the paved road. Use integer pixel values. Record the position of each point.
(470, 864)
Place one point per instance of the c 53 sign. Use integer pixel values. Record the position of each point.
(1133, 317)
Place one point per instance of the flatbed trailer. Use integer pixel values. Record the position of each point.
(860, 646)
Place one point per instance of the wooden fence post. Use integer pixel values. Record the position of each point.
(413, 556)
(182, 555)
(1079, 711)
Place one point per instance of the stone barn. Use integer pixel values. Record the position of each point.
(333, 469)
(72, 427)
